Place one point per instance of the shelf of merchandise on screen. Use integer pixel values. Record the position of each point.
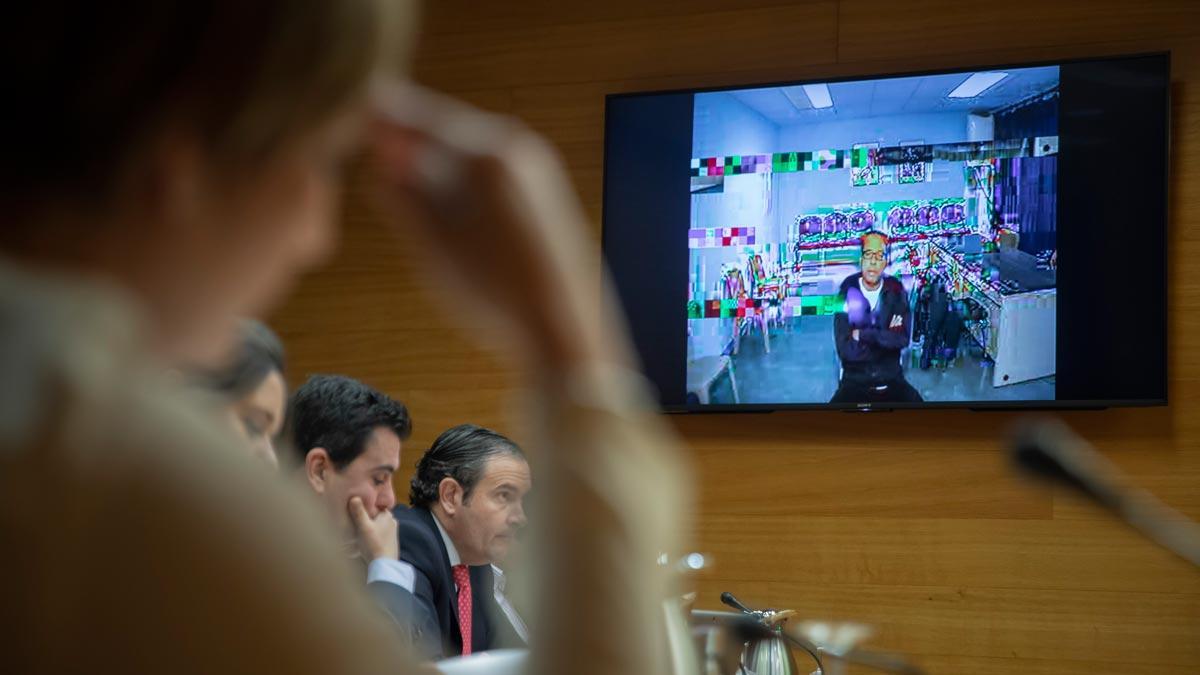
(977, 320)
(967, 273)
(902, 223)
(978, 330)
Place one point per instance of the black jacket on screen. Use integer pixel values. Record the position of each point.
(874, 358)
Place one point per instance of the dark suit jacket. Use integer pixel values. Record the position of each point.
(874, 358)
(415, 625)
(421, 545)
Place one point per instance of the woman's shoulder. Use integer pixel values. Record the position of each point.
(85, 406)
(61, 342)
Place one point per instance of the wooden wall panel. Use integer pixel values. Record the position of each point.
(728, 40)
(910, 521)
(459, 16)
(1047, 554)
(919, 483)
(872, 29)
(1112, 628)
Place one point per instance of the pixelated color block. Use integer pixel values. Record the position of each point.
(733, 165)
(831, 160)
(729, 308)
(861, 158)
(717, 237)
(780, 162)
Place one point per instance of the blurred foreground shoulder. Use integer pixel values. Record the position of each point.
(143, 538)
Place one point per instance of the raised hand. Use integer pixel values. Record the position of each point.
(377, 537)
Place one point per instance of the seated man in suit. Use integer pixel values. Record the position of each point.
(347, 437)
(467, 502)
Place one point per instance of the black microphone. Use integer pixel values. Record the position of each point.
(733, 602)
(1050, 451)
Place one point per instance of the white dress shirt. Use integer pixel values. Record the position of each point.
(392, 571)
(505, 606)
(510, 612)
(455, 559)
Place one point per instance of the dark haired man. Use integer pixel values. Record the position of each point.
(467, 500)
(348, 439)
(871, 329)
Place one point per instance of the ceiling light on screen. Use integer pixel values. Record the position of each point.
(818, 95)
(976, 84)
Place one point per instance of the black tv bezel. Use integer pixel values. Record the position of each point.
(980, 406)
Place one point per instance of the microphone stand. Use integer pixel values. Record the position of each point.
(762, 626)
(748, 626)
(1049, 450)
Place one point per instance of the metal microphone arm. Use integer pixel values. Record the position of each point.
(1051, 451)
(761, 628)
(747, 627)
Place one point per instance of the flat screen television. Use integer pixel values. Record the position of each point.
(979, 237)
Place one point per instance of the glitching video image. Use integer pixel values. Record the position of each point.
(877, 241)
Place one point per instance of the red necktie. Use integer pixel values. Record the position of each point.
(462, 577)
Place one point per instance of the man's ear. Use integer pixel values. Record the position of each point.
(317, 467)
(449, 495)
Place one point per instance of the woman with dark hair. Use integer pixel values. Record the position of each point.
(253, 389)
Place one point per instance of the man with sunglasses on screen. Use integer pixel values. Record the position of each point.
(871, 330)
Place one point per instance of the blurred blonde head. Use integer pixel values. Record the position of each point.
(186, 152)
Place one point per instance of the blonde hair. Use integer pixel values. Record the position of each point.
(90, 83)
